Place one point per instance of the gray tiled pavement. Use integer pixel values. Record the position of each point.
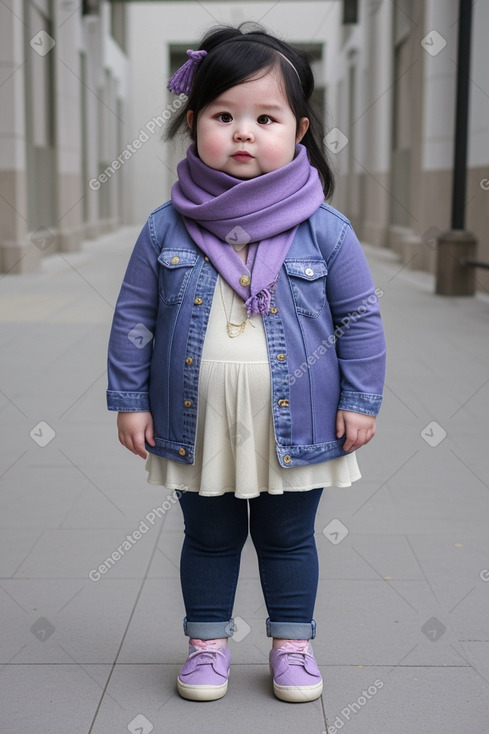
(402, 605)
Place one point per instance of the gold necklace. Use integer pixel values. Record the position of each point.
(232, 328)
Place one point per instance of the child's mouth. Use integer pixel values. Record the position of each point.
(242, 155)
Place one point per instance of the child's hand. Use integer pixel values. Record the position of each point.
(359, 428)
(133, 429)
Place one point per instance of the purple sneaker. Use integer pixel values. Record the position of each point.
(296, 676)
(204, 675)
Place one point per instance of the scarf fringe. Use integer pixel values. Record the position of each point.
(260, 303)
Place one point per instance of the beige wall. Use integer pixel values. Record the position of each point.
(478, 219)
(406, 207)
(42, 171)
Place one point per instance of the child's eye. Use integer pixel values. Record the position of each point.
(225, 117)
(264, 120)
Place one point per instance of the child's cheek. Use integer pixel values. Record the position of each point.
(209, 144)
(213, 146)
(277, 156)
(204, 131)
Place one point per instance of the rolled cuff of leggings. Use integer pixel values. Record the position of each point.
(292, 630)
(208, 630)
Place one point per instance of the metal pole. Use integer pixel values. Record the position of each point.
(457, 247)
(461, 115)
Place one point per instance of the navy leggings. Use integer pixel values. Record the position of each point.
(282, 531)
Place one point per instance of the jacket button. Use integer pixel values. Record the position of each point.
(309, 271)
(189, 360)
(188, 403)
(198, 301)
(182, 451)
(206, 259)
(175, 260)
(287, 459)
(283, 403)
(280, 357)
(244, 280)
(274, 309)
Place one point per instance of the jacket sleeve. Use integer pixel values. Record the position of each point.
(131, 337)
(360, 341)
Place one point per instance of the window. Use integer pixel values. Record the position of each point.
(118, 23)
(350, 11)
(90, 7)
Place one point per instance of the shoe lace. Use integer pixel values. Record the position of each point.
(206, 650)
(296, 651)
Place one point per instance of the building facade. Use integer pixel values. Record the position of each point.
(386, 79)
(82, 147)
(391, 86)
(64, 98)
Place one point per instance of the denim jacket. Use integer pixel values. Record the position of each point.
(324, 336)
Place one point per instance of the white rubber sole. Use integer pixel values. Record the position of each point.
(298, 694)
(201, 693)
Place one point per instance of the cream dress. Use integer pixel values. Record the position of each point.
(235, 444)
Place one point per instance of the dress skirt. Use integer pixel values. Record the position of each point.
(235, 444)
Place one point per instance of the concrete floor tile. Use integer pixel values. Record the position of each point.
(43, 698)
(366, 507)
(74, 553)
(249, 561)
(114, 506)
(15, 545)
(149, 691)
(373, 556)
(476, 654)
(166, 560)
(450, 562)
(155, 634)
(30, 500)
(378, 622)
(404, 699)
(468, 616)
(65, 621)
(174, 517)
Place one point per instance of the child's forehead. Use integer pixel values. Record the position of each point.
(261, 87)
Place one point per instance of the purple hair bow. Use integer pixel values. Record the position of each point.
(182, 79)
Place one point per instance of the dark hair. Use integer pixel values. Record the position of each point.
(232, 57)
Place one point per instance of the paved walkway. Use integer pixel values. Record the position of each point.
(403, 630)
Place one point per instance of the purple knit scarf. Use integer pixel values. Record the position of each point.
(219, 210)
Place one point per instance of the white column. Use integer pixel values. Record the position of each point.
(66, 28)
(16, 253)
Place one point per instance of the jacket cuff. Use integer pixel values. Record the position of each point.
(127, 401)
(360, 402)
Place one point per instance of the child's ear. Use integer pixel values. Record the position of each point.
(190, 119)
(302, 129)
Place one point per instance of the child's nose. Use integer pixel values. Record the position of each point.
(243, 133)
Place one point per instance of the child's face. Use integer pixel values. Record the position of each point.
(249, 129)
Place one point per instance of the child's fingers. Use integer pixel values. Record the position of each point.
(149, 433)
(359, 429)
(340, 424)
(351, 441)
(358, 438)
(134, 442)
(134, 427)
(138, 444)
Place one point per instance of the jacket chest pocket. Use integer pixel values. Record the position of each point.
(307, 279)
(176, 268)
